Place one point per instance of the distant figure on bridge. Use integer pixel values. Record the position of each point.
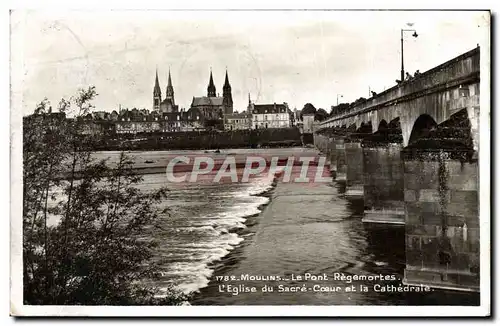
(408, 76)
(374, 93)
(417, 73)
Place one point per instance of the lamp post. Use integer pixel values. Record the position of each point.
(402, 51)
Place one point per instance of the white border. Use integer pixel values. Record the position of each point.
(484, 309)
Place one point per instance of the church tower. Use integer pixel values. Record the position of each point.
(156, 94)
(211, 86)
(169, 95)
(227, 100)
(249, 107)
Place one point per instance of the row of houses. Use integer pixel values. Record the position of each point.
(142, 120)
(257, 116)
(261, 116)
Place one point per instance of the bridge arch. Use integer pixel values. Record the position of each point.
(395, 123)
(383, 125)
(422, 127)
(365, 127)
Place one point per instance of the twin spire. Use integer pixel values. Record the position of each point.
(211, 86)
(169, 94)
(157, 89)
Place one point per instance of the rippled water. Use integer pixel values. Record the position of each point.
(201, 227)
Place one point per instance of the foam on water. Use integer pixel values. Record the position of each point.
(201, 229)
(196, 240)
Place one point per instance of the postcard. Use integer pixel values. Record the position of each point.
(250, 163)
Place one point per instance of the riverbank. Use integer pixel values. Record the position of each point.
(199, 140)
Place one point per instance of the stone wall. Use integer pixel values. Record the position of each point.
(203, 140)
(442, 222)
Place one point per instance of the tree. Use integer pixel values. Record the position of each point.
(94, 252)
(339, 109)
(307, 109)
(320, 115)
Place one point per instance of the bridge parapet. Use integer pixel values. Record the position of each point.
(460, 71)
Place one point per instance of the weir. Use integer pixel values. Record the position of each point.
(411, 154)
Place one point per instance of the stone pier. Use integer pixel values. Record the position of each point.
(354, 170)
(442, 221)
(340, 175)
(320, 142)
(383, 184)
(332, 156)
(383, 175)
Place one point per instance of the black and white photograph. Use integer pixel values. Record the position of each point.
(189, 162)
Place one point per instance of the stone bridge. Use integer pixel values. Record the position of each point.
(411, 155)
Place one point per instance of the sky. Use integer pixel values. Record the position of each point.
(296, 57)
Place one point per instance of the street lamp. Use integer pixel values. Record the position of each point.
(402, 61)
(338, 98)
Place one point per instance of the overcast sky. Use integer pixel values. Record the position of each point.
(294, 56)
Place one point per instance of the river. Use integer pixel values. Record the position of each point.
(262, 228)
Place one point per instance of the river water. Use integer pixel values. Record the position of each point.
(263, 228)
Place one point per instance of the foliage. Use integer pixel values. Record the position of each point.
(339, 109)
(320, 115)
(307, 109)
(83, 219)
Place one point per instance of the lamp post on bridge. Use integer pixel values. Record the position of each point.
(402, 50)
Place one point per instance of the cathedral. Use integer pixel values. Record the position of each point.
(212, 106)
(168, 104)
(209, 109)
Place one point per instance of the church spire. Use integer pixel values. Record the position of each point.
(156, 89)
(156, 93)
(169, 79)
(170, 89)
(226, 82)
(211, 86)
(227, 100)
